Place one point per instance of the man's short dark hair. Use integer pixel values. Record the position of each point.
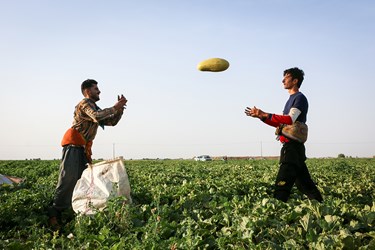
(296, 73)
(87, 84)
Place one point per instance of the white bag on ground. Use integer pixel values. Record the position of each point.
(100, 182)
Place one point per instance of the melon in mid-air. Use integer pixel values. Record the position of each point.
(213, 65)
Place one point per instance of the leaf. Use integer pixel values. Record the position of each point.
(305, 221)
(330, 218)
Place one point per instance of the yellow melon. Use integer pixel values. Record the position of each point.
(213, 65)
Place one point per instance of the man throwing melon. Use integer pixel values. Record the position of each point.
(77, 143)
(292, 133)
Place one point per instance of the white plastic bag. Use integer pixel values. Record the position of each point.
(100, 182)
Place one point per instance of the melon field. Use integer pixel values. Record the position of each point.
(183, 204)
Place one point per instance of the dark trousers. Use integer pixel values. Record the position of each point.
(72, 165)
(293, 170)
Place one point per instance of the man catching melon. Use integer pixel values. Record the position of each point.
(292, 133)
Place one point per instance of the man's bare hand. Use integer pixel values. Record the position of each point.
(121, 102)
(255, 112)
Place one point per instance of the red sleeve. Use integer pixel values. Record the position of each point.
(271, 123)
(276, 120)
(282, 119)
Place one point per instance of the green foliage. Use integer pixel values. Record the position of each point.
(341, 156)
(182, 204)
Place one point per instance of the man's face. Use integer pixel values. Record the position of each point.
(289, 82)
(93, 93)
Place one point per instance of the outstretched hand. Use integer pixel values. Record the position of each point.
(121, 102)
(255, 112)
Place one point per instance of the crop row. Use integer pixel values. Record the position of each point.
(182, 204)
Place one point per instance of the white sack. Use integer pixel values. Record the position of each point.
(100, 182)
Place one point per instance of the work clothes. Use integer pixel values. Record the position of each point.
(88, 117)
(72, 165)
(293, 170)
(77, 142)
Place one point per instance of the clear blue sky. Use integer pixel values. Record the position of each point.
(149, 50)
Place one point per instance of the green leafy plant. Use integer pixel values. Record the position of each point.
(183, 204)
